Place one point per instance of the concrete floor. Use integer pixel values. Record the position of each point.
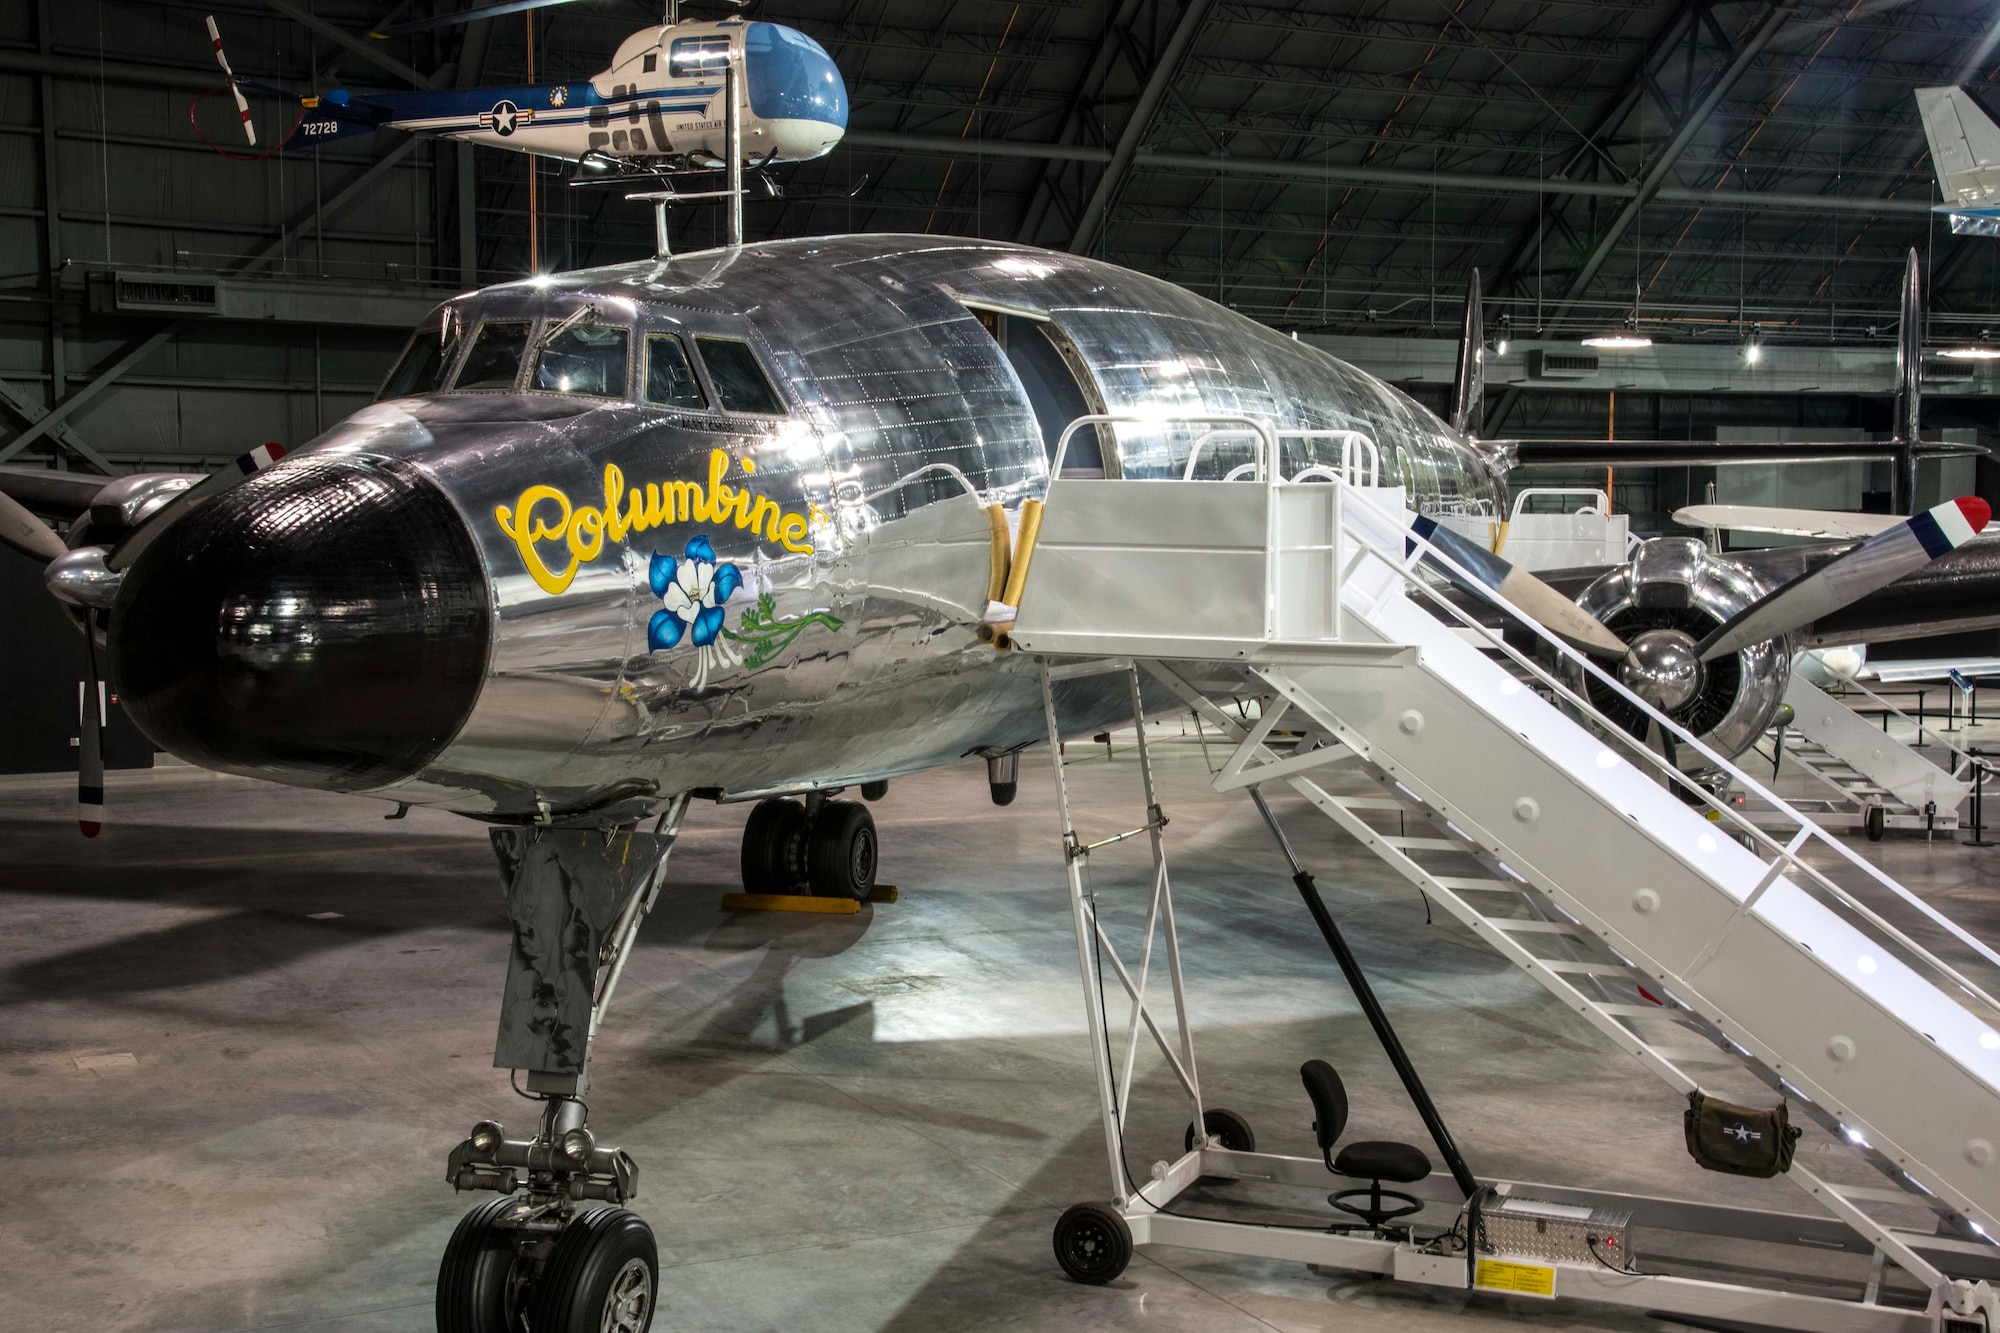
(843, 1123)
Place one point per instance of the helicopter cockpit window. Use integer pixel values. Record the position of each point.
(697, 55)
(669, 377)
(422, 367)
(584, 358)
(739, 381)
(495, 359)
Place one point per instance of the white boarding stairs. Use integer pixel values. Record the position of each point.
(1569, 857)
(1858, 766)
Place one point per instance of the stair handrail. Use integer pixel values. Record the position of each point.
(1253, 425)
(1359, 454)
(1417, 548)
(1958, 750)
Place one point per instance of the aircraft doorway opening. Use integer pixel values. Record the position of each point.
(1058, 386)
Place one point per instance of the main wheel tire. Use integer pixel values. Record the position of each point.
(1875, 823)
(1093, 1244)
(1231, 1128)
(774, 847)
(473, 1276)
(840, 851)
(603, 1276)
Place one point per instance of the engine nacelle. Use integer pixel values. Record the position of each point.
(1662, 602)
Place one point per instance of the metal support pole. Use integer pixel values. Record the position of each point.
(1086, 958)
(1978, 800)
(1357, 981)
(1155, 822)
(734, 139)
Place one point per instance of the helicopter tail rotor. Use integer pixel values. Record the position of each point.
(242, 106)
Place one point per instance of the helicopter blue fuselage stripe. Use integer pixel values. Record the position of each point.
(472, 101)
(452, 111)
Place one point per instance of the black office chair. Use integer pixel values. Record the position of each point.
(1372, 1160)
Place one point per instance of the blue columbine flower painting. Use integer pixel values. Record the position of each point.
(693, 588)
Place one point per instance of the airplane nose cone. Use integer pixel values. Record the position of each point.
(325, 624)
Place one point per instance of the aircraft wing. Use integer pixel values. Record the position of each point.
(1832, 525)
(63, 495)
(1931, 668)
(1677, 453)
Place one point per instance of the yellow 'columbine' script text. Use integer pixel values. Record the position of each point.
(545, 514)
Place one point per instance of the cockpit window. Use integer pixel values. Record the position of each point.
(739, 381)
(697, 55)
(669, 377)
(584, 358)
(422, 368)
(495, 359)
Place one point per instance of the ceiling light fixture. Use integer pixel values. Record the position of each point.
(1971, 353)
(1618, 341)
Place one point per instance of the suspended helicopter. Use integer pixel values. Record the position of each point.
(659, 108)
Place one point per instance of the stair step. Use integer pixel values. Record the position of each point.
(1694, 1055)
(1640, 1010)
(1573, 967)
(1424, 844)
(1370, 803)
(1524, 926)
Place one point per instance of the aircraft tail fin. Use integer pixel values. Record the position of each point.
(1965, 145)
(1468, 386)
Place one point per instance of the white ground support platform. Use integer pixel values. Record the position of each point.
(1679, 930)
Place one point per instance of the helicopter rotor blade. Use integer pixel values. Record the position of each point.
(466, 16)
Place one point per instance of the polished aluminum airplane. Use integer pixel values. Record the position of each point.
(739, 524)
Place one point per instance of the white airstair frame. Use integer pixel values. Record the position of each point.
(1861, 766)
(1321, 575)
(1578, 981)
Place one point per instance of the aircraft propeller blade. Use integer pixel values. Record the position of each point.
(26, 533)
(90, 748)
(214, 484)
(1550, 609)
(242, 107)
(1876, 563)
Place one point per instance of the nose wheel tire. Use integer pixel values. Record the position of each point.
(774, 847)
(1093, 1244)
(1231, 1128)
(474, 1286)
(840, 851)
(603, 1276)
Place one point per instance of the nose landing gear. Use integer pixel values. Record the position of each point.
(558, 1252)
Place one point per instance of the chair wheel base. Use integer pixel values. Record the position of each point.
(1372, 1212)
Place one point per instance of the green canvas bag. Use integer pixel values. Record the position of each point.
(1739, 1140)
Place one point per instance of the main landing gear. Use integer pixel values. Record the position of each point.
(819, 846)
(558, 1252)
